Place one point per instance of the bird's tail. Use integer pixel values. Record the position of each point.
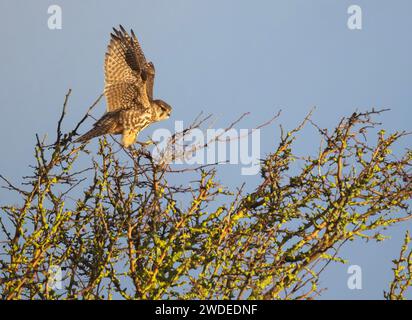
(93, 133)
(106, 124)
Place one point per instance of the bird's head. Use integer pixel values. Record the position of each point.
(161, 110)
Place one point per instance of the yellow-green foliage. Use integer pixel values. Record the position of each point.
(128, 231)
(402, 272)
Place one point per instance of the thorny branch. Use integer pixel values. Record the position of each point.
(128, 226)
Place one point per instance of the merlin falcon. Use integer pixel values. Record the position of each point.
(129, 80)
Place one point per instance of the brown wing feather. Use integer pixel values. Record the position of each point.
(150, 70)
(125, 72)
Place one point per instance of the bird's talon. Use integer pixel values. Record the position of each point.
(146, 143)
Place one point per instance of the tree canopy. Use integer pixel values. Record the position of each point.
(125, 229)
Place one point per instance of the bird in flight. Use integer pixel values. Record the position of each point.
(129, 80)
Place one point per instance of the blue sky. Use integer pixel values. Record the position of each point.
(223, 57)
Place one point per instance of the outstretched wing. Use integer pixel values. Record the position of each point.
(125, 71)
(150, 71)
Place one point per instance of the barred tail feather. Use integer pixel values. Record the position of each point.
(93, 133)
(106, 124)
